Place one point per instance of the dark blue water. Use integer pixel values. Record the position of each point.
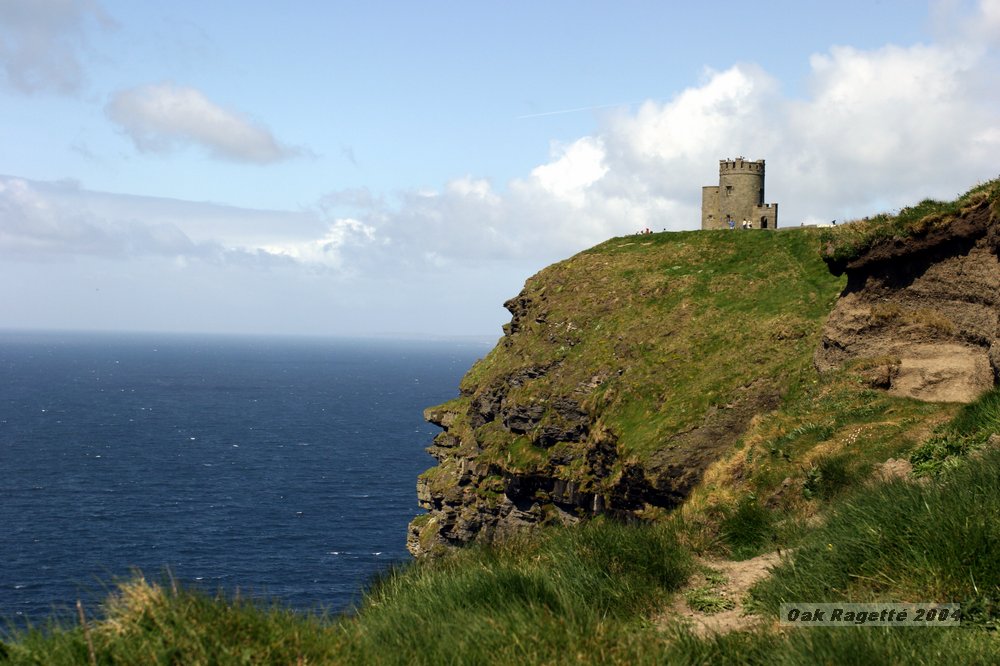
(283, 468)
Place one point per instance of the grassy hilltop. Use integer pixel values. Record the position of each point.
(668, 379)
(672, 324)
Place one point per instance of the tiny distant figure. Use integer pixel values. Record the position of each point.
(744, 225)
(749, 224)
(834, 223)
(732, 223)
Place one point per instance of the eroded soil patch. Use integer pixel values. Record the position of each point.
(712, 601)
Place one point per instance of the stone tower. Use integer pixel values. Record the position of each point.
(738, 196)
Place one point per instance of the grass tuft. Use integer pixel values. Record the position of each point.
(973, 428)
(749, 529)
(705, 600)
(829, 476)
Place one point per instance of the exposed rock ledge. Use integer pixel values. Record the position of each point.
(922, 314)
(469, 498)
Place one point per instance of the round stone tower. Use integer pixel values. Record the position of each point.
(741, 189)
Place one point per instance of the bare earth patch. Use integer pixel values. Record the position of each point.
(726, 581)
(924, 316)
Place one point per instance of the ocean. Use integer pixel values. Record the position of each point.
(281, 468)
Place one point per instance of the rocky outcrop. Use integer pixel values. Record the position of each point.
(468, 496)
(921, 315)
(563, 473)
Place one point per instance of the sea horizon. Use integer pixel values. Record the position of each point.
(280, 466)
(482, 339)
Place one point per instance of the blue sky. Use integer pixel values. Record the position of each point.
(399, 168)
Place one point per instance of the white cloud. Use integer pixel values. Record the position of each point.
(576, 168)
(158, 118)
(468, 186)
(876, 129)
(878, 106)
(327, 251)
(699, 120)
(41, 42)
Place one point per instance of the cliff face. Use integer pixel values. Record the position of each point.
(629, 369)
(923, 312)
(624, 372)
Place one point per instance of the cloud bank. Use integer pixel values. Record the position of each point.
(159, 118)
(37, 227)
(47, 223)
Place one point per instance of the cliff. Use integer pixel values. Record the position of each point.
(629, 370)
(623, 373)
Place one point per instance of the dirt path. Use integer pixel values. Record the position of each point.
(712, 601)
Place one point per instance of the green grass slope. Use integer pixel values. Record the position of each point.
(691, 317)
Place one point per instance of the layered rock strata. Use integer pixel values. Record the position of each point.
(921, 315)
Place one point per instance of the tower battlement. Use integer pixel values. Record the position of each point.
(739, 197)
(741, 165)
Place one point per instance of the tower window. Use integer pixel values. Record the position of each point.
(729, 190)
